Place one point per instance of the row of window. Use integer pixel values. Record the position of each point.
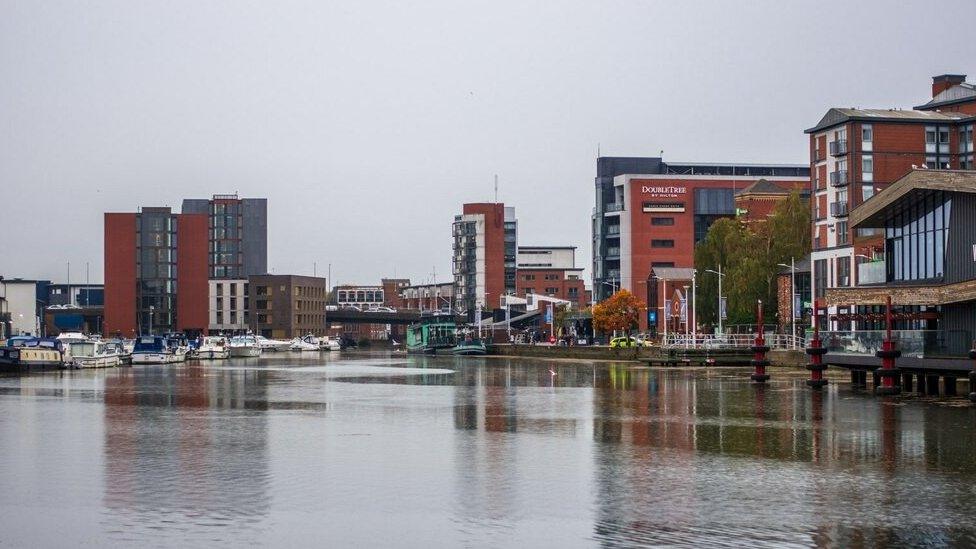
(360, 296)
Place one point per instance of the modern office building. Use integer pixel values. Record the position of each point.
(856, 153)
(485, 242)
(238, 248)
(649, 214)
(155, 272)
(22, 303)
(287, 306)
(76, 295)
(550, 271)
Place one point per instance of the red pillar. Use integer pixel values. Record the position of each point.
(888, 354)
(972, 377)
(759, 350)
(816, 351)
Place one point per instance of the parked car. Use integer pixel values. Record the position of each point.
(331, 307)
(623, 342)
(381, 310)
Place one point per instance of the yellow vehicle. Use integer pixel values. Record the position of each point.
(623, 342)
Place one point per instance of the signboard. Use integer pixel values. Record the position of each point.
(684, 310)
(663, 191)
(667, 309)
(797, 307)
(549, 314)
(724, 308)
(652, 317)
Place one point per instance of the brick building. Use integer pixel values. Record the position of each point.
(784, 283)
(649, 214)
(485, 240)
(856, 153)
(428, 297)
(755, 203)
(148, 256)
(550, 271)
(287, 306)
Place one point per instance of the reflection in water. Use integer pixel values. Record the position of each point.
(185, 446)
(444, 451)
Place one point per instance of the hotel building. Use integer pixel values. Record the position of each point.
(649, 214)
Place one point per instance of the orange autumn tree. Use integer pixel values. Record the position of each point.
(621, 311)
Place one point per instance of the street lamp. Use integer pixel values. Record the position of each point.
(720, 277)
(792, 268)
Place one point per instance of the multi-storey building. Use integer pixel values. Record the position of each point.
(21, 306)
(649, 214)
(756, 203)
(428, 297)
(485, 242)
(854, 154)
(287, 306)
(155, 272)
(238, 248)
(550, 271)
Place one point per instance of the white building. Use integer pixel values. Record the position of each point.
(228, 305)
(19, 301)
(546, 257)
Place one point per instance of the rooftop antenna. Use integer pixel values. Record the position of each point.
(496, 188)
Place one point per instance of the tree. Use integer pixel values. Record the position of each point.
(621, 311)
(750, 258)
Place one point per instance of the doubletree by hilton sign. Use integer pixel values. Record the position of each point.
(664, 191)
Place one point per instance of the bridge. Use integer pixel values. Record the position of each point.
(402, 316)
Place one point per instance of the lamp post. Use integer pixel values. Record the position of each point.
(687, 315)
(152, 310)
(694, 314)
(792, 267)
(720, 277)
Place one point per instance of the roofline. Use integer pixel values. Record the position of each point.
(930, 105)
(549, 268)
(546, 247)
(863, 118)
(860, 215)
(735, 165)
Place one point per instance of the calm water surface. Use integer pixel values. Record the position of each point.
(360, 450)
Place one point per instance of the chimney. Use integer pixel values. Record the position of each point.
(945, 81)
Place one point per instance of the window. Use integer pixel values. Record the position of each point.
(915, 239)
(820, 277)
(843, 271)
(662, 221)
(662, 243)
(552, 290)
(841, 233)
(867, 191)
(662, 264)
(867, 133)
(867, 168)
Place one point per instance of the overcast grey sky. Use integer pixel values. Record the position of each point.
(367, 124)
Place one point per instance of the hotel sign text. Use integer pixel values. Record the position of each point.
(664, 191)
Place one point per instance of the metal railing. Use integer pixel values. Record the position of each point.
(838, 178)
(838, 209)
(613, 207)
(838, 147)
(730, 341)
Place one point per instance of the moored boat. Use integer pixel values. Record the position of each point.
(469, 347)
(302, 345)
(154, 350)
(272, 345)
(244, 346)
(432, 333)
(213, 348)
(25, 354)
(95, 354)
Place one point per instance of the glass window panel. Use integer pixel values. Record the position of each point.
(940, 253)
(929, 254)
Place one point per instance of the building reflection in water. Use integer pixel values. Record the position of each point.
(676, 449)
(185, 444)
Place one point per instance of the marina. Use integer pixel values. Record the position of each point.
(488, 451)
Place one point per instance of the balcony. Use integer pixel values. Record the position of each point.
(838, 178)
(613, 253)
(817, 156)
(613, 230)
(613, 207)
(838, 209)
(838, 148)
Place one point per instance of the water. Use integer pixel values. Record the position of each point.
(483, 452)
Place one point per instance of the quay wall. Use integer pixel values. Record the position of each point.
(794, 359)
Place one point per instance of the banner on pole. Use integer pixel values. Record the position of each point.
(724, 308)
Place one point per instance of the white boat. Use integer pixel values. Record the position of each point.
(299, 344)
(328, 344)
(213, 348)
(244, 346)
(66, 339)
(155, 350)
(272, 345)
(95, 354)
(179, 345)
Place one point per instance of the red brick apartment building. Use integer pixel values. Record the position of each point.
(855, 153)
(550, 271)
(156, 270)
(485, 240)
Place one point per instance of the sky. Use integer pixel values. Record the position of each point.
(368, 124)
